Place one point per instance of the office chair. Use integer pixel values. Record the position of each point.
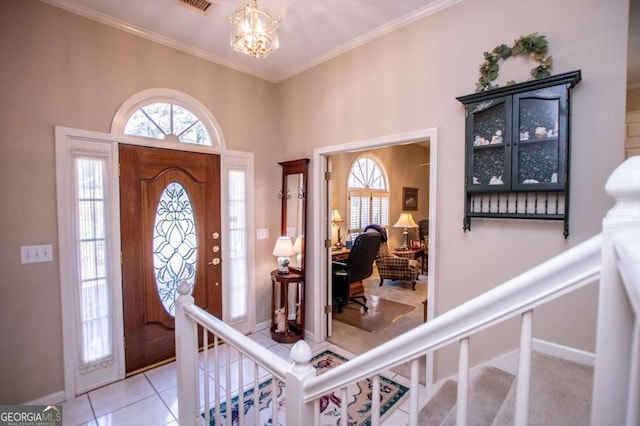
(347, 276)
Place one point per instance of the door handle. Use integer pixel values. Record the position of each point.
(215, 261)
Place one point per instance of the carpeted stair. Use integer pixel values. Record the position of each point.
(560, 395)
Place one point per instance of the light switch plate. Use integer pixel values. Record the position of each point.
(262, 233)
(36, 254)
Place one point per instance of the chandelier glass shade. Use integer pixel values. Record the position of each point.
(254, 31)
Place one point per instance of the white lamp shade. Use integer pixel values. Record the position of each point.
(405, 221)
(283, 247)
(335, 216)
(297, 246)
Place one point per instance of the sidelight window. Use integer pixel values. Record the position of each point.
(92, 257)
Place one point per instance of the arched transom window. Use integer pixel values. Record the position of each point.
(368, 193)
(168, 121)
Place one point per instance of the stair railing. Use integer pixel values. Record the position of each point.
(617, 372)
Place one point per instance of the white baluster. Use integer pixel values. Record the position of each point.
(524, 370)
(227, 381)
(274, 400)
(463, 383)
(344, 405)
(256, 394)
(216, 375)
(375, 401)
(414, 394)
(205, 355)
(241, 389)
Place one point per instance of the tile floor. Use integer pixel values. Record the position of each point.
(150, 398)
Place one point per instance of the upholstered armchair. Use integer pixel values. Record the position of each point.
(392, 267)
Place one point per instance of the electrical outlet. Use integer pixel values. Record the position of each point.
(36, 254)
(262, 233)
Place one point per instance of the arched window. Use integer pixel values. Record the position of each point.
(368, 193)
(162, 120)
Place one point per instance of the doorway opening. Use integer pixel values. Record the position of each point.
(322, 198)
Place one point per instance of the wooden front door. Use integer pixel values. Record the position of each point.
(170, 220)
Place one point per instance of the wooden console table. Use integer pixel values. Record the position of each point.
(293, 329)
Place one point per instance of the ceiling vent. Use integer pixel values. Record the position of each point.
(201, 5)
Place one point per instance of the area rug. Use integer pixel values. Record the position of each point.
(382, 312)
(358, 397)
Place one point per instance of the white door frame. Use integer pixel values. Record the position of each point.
(228, 159)
(320, 215)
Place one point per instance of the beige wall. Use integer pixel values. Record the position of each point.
(408, 80)
(61, 69)
(403, 167)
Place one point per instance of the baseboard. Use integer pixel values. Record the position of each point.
(51, 399)
(265, 325)
(564, 352)
(308, 335)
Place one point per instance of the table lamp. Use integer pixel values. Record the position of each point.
(405, 221)
(283, 249)
(336, 218)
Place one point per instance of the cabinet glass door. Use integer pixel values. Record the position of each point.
(490, 127)
(539, 150)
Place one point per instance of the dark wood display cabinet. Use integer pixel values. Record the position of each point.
(517, 151)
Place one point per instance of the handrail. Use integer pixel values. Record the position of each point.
(566, 272)
(274, 364)
(613, 256)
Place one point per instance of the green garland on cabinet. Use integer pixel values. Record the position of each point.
(533, 45)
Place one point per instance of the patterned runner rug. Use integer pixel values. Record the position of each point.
(358, 397)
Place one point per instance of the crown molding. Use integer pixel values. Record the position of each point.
(169, 42)
(370, 36)
(150, 35)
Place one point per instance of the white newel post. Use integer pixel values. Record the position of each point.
(299, 413)
(616, 318)
(186, 360)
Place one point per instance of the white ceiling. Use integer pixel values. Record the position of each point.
(311, 31)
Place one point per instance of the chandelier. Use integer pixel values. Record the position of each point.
(254, 31)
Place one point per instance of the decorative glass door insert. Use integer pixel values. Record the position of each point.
(174, 244)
